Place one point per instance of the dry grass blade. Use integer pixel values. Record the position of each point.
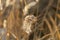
(49, 26)
(58, 15)
(45, 36)
(55, 27)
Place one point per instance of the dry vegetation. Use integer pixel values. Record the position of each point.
(29, 19)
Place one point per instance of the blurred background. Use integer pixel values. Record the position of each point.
(29, 19)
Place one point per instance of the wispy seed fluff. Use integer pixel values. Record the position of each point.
(27, 23)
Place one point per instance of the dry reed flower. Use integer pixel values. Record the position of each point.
(9, 2)
(4, 23)
(27, 23)
(28, 6)
(1, 5)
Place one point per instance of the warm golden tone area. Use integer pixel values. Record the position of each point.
(29, 19)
